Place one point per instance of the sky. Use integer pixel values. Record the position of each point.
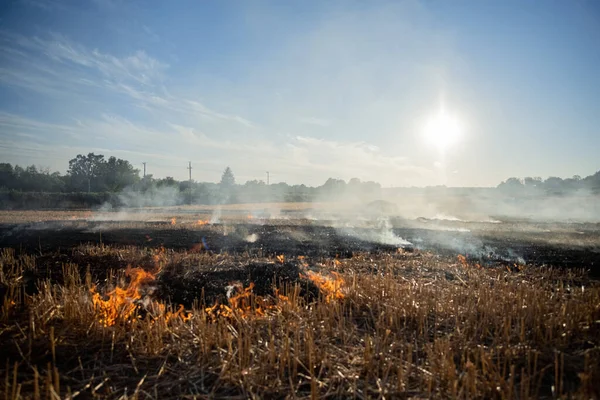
(306, 90)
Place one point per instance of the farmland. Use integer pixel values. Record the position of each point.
(177, 304)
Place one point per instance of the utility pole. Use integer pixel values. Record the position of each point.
(190, 182)
(144, 168)
(267, 178)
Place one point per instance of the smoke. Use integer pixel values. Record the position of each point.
(215, 218)
(156, 197)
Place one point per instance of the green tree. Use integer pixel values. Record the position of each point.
(227, 187)
(227, 179)
(7, 176)
(117, 174)
(84, 171)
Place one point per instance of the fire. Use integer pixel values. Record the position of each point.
(240, 302)
(173, 221)
(330, 286)
(246, 304)
(121, 304)
(280, 258)
(202, 222)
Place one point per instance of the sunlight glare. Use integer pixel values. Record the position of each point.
(443, 130)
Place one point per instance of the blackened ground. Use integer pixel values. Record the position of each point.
(209, 285)
(539, 248)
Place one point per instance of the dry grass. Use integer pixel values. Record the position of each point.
(406, 325)
(187, 213)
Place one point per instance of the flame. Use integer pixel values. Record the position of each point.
(250, 216)
(241, 302)
(462, 259)
(246, 304)
(202, 222)
(330, 286)
(280, 258)
(180, 313)
(173, 221)
(121, 304)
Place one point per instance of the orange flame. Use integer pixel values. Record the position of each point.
(246, 304)
(202, 222)
(330, 286)
(173, 221)
(280, 258)
(121, 304)
(462, 259)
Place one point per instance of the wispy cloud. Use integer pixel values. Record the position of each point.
(56, 65)
(46, 5)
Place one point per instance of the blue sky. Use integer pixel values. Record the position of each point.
(304, 89)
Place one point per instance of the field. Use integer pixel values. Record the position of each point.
(175, 303)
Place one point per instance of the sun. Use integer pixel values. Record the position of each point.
(443, 130)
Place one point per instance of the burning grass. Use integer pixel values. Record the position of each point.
(380, 325)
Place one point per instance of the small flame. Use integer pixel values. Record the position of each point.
(246, 304)
(330, 286)
(462, 259)
(173, 221)
(202, 222)
(280, 258)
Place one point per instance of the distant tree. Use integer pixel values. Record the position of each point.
(117, 174)
(554, 185)
(7, 176)
(227, 187)
(94, 173)
(511, 185)
(85, 170)
(227, 179)
(532, 182)
(168, 181)
(354, 182)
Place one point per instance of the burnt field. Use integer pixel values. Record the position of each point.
(518, 243)
(177, 307)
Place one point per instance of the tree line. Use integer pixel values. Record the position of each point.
(116, 179)
(551, 186)
(95, 179)
(91, 173)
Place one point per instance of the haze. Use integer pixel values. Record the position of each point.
(306, 90)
